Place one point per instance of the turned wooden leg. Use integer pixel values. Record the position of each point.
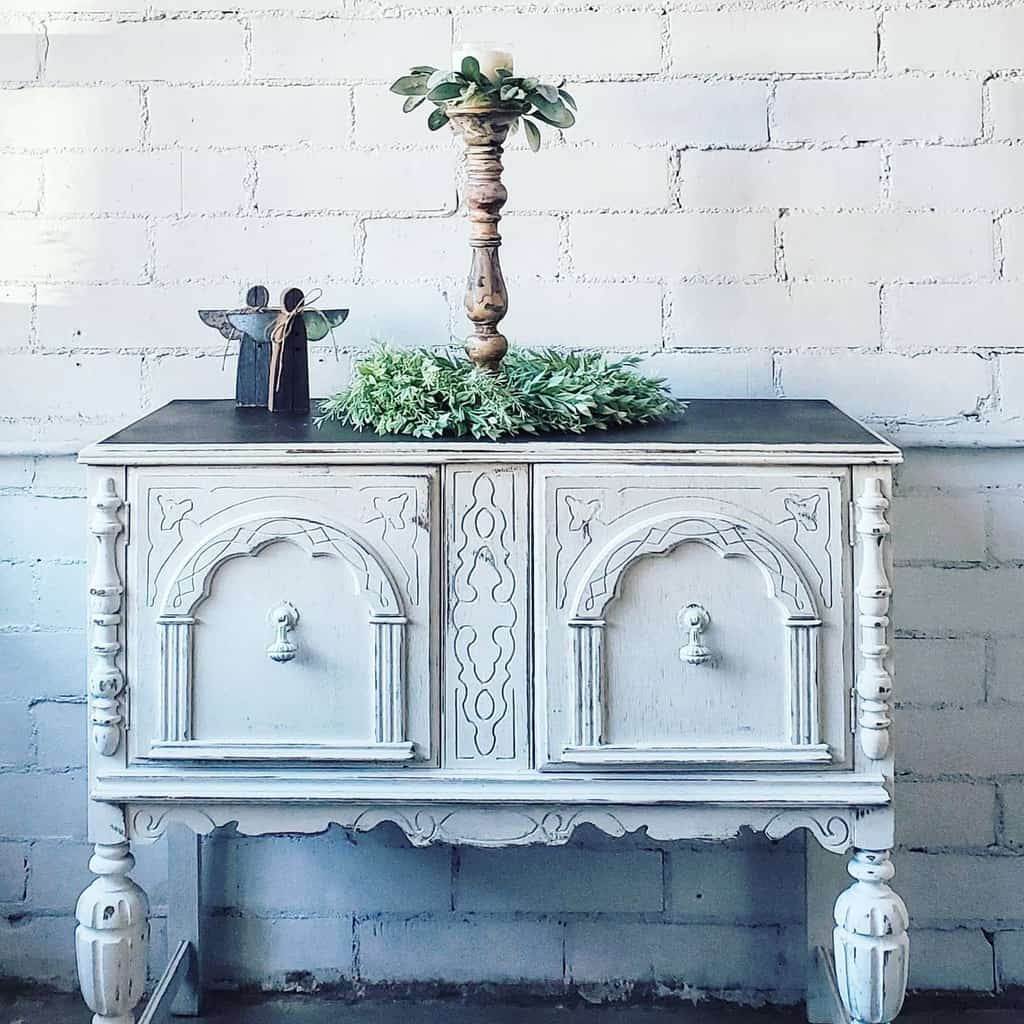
(871, 943)
(112, 936)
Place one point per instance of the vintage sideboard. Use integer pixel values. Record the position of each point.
(683, 628)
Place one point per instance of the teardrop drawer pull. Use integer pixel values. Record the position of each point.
(284, 618)
(695, 619)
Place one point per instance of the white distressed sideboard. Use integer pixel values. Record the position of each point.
(683, 628)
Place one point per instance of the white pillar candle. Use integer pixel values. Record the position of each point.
(490, 57)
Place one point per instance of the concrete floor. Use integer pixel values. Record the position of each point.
(61, 1009)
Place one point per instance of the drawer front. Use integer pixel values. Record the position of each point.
(283, 614)
(691, 617)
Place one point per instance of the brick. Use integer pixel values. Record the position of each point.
(224, 116)
(867, 109)
(80, 317)
(15, 316)
(958, 890)
(882, 246)
(60, 734)
(980, 741)
(1006, 108)
(20, 46)
(331, 876)
(62, 590)
(536, 880)
(69, 117)
(41, 527)
(1006, 681)
(675, 112)
(958, 176)
(13, 871)
(159, 50)
(1007, 527)
(380, 122)
(353, 180)
(60, 871)
(421, 318)
(588, 43)
(14, 734)
(720, 884)
(38, 805)
(1013, 245)
(22, 176)
(714, 375)
(936, 814)
(953, 39)
(1011, 386)
(956, 601)
(941, 528)
(195, 375)
(1009, 946)
(348, 48)
(157, 183)
(951, 961)
(975, 469)
(460, 949)
(754, 42)
(1012, 794)
(612, 316)
(39, 949)
(955, 315)
(73, 250)
(736, 245)
(676, 955)
(938, 671)
(772, 315)
(587, 179)
(47, 380)
(890, 385)
(16, 471)
(256, 248)
(264, 952)
(803, 179)
(42, 664)
(17, 595)
(437, 247)
(58, 476)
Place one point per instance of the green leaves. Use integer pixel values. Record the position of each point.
(527, 97)
(422, 393)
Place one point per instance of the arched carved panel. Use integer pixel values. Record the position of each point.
(601, 585)
(192, 584)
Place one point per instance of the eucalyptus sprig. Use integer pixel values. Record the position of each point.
(427, 394)
(532, 99)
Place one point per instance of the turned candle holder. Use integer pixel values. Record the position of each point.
(484, 130)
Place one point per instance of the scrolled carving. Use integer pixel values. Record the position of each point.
(106, 591)
(831, 830)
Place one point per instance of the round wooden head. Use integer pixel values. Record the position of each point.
(291, 298)
(257, 297)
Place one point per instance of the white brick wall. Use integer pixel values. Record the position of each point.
(762, 199)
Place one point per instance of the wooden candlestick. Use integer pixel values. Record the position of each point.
(484, 130)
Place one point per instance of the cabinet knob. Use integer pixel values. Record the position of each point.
(694, 619)
(284, 618)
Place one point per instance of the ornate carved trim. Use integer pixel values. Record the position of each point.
(730, 538)
(874, 683)
(831, 830)
(106, 591)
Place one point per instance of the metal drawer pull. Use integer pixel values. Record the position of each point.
(284, 618)
(694, 619)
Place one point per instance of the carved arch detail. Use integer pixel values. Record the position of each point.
(730, 538)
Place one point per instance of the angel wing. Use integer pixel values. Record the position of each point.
(218, 319)
(319, 322)
(256, 325)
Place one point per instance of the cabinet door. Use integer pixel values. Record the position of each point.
(691, 616)
(282, 613)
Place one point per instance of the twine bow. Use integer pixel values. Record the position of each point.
(279, 335)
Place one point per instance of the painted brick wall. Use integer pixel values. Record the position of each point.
(762, 199)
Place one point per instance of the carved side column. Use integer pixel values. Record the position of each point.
(874, 592)
(871, 943)
(112, 936)
(484, 131)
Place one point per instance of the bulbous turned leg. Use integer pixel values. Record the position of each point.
(871, 943)
(112, 936)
